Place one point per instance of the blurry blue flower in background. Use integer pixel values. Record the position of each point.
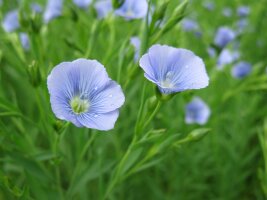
(11, 22)
(209, 5)
(227, 12)
(81, 92)
(133, 9)
(173, 69)
(189, 25)
(135, 41)
(24, 39)
(53, 10)
(82, 3)
(242, 24)
(197, 111)
(36, 8)
(227, 57)
(224, 35)
(241, 69)
(212, 52)
(103, 8)
(243, 11)
(1, 2)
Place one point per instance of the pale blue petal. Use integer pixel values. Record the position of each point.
(173, 69)
(241, 70)
(197, 111)
(24, 39)
(53, 10)
(82, 3)
(227, 57)
(36, 7)
(224, 35)
(110, 98)
(104, 122)
(227, 12)
(133, 9)
(189, 25)
(243, 11)
(103, 8)
(87, 80)
(135, 41)
(11, 21)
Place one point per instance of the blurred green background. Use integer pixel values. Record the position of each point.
(229, 163)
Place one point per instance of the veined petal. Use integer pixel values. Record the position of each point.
(81, 92)
(104, 121)
(173, 69)
(109, 99)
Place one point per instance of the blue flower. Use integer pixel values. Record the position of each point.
(135, 41)
(227, 12)
(53, 10)
(173, 69)
(11, 21)
(133, 9)
(241, 70)
(189, 25)
(224, 36)
(197, 111)
(212, 52)
(24, 39)
(81, 92)
(103, 8)
(243, 11)
(209, 5)
(227, 57)
(242, 24)
(82, 3)
(36, 8)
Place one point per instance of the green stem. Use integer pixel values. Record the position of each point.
(79, 162)
(117, 175)
(58, 139)
(150, 118)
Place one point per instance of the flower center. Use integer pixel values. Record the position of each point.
(79, 105)
(167, 81)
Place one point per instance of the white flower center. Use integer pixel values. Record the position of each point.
(79, 105)
(167, 81)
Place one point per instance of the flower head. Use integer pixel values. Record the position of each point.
(197, 111)
(82, 3)
(227, 57)
(243, 11)
(133, 9)
(224, 36)
(24, 39)
(211, 51)
(209, 5)
(81, 92)
(173, 69)
(135, 41)
(241, 69)
(189, 25)
(36, 8)
(227, 12)
(11, 21)
(103, 8)
(53, 10)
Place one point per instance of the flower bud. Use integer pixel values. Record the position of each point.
(176, 17)
(159, 13)
(197, 134)
(34, 74)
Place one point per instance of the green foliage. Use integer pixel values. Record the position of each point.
(152, 153)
